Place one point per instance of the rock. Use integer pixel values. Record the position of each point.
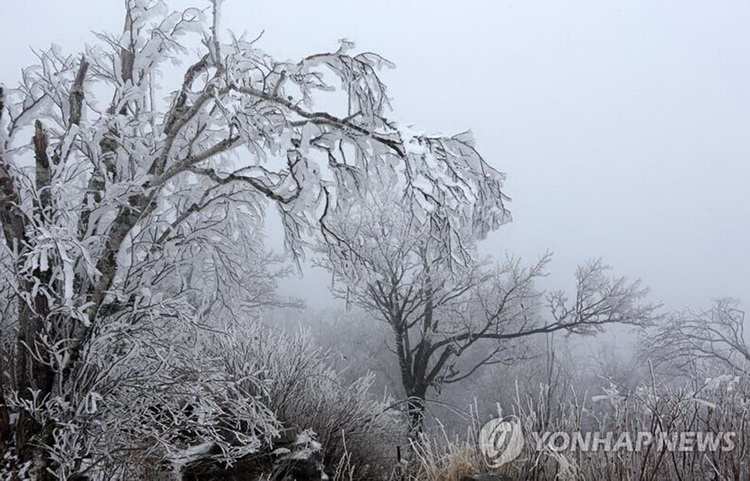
(296, 456)
(302, 459)
(286, 436)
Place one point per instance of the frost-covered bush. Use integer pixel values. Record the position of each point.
(154, 396)
(305, 392)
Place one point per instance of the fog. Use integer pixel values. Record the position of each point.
(622, 127)
(140, 311)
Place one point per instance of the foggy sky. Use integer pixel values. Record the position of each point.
(623, 126)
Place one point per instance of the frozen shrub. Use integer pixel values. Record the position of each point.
(305, 392)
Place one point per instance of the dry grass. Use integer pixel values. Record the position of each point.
(716, 406)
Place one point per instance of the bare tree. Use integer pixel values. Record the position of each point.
(695, 340)
(450, 315)
(104, 210)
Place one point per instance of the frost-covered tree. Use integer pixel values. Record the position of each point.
(695, 342)
(124, 214)
(451, 315)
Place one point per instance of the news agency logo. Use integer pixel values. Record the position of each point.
(501, 441)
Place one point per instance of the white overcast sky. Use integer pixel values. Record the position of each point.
(623, 126)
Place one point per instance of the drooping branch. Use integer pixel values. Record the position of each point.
(703, 338)
(192, 160)
(255, 183)
(323, 118)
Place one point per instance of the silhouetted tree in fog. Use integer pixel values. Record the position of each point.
(450, 315)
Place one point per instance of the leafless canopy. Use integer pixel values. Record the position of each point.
(690, 340)
(452, 315)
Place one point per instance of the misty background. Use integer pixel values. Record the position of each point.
(622, 127)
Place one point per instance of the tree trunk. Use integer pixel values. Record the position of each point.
(34, 379)
(4, 423)
(415, 407)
